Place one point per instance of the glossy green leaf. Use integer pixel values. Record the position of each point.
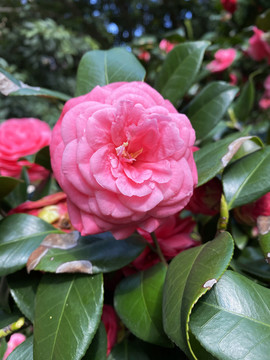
(8, 318)
(3, 347)
(189, 276)
(180, 69)
(252, 262)
(247, 179)
(43, 158)
(7, 184)
(12, 86)
(23, 289)
(19, 194)
(102, 67)
(239, 236)
(210, 158)
(209, 106)
(138, 302)
(244, 103)
(67, 315)
(24, 351)
(97, 253)
(127, 351)
(20, 235)
(98, 347)
(232, 321)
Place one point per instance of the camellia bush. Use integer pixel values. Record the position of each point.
(137, 227)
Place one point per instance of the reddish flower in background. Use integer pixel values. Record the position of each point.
(223, 59)
(259, 48)
(110, 322)
(51, 208)
(265, 100)
(173, 236)
(144, 55)
(206, 198)
(229, 5)
(14, 341)
(248, 214)
(233, 79)
(19, 138)
(123, 155)
(166, 45)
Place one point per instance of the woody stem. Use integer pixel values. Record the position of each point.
(158, 250)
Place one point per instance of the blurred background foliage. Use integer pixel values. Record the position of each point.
(42, 41)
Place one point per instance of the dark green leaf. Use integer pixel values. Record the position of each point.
(3, 347)
(7, 319)
(239, 236)
(127, 351)
(232, 321)
(19, 194)
(67, 315)
(180, 69)
(263, 20)
(209, 106)
(23, 289)
(247, 179)
(138, 302)
(7, 184)
(98, 347)
(102, 67)
(252, 262)
(189, 276)
(24, 351)
(20, 235)
(244, 103)
(43, 158)
(100, 253)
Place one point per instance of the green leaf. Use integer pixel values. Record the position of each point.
(23, 289)
(98, 347)
(244, 103)
(232, 321)
(127, 351)
(20, 235)
(209, 106)
(247, 179)
(97, 253)
(180, 69)
(252, 262)
(24, 351)
(12, 86)
(67, 315)
(7, 319)
(102, 67)
(3, 347)
(138, 302)
(7, 184)
(19, 194)
(210, 158)
(43, 158)
(189, 276)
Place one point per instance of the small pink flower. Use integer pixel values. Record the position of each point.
(110, 322)
(14, 341)
(233, 79)
(51, 208)
(123, 155)
(144, 55)
(259, 48)
(166, 45)
(264, 102)
(19, 138)
(229, 5)
(223, 59)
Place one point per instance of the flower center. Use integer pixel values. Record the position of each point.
(123, 154)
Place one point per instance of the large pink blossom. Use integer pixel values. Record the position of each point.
(19, 138)
(14, 341)
(259, 47)
(223, 59)
(123, 155)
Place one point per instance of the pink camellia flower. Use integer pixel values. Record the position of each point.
(248, 214)
(166, 45)
(206, 198)
(229, 5)
(265, 100)
(110, 322)
(19, 138)
(123, 155)
(259, 47)
(144, 55)
(51, 208)
(14, 341)
(173, 236)
(223, 59)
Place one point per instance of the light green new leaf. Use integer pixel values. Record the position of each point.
(232, 321)
(189, 276)
(102, 67)
(209, 106)
(138, 302)
(180, 69)
(67, 315)
(247, 179)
